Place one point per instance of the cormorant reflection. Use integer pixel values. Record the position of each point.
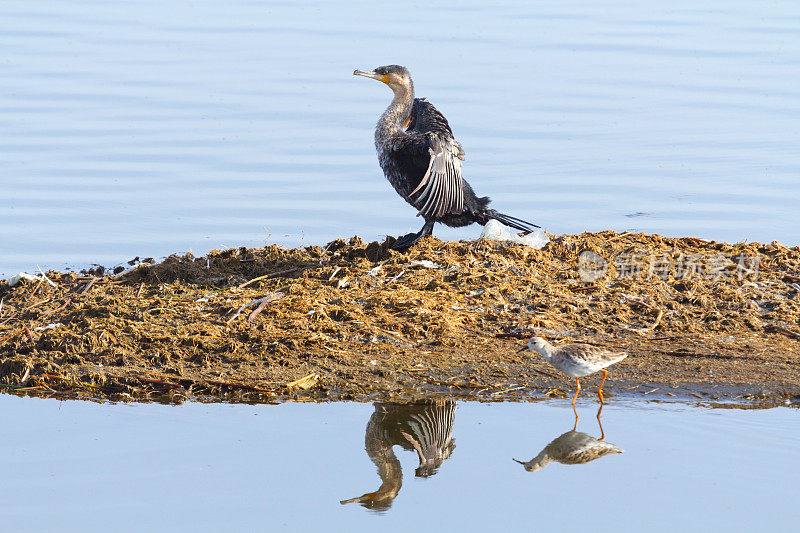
(424, 427)
(572, 448)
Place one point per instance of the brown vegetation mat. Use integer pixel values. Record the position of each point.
(358, 321)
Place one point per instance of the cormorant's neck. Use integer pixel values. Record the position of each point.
(390, 471)
(391, 122)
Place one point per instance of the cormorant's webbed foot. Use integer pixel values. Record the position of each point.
(407, 241)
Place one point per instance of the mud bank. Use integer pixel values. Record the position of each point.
(359, 321)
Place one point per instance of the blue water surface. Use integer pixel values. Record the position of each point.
(81, 466)
(145, 128)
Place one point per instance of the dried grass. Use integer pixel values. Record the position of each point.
(433, 328)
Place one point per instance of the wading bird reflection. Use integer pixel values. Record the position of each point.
(572, 448)
(422, 161)
(423, 427)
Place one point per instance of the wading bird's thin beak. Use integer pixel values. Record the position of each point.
(522, 349)
(371, 74)
(520, 462)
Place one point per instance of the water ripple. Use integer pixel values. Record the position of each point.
(142, 128)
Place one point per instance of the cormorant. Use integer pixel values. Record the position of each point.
(425, 427)
(422, 161)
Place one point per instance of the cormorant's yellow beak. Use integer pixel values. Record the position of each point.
(364, 498)
(372, 74)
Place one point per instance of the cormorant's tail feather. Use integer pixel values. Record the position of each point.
(513, 222)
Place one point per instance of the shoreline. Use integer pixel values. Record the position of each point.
(358, 321)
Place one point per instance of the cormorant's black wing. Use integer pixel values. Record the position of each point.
(441, 190)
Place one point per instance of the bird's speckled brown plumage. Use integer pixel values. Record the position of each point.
(571, 448)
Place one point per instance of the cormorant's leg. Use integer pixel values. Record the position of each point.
(600, 388)
(407, 241)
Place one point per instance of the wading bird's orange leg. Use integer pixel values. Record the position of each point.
(600, 423)
(573, 403)
(600, 388)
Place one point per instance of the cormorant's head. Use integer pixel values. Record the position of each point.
(376, 501)
(395, 76)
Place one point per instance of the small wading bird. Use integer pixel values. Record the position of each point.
(422, 161)
(577, 360)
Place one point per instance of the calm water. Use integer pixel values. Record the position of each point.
(146, 128)
(78, 466)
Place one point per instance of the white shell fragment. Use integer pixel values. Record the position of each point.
(424, 264)
(495, 231)
(22, 276)
(48, 326)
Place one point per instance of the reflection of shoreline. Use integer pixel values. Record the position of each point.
(573, 448)
(424, 427)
